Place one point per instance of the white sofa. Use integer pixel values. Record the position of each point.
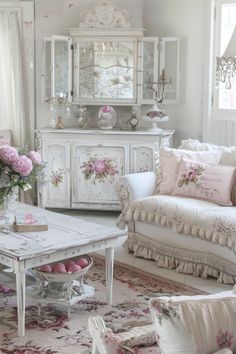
(192, 236)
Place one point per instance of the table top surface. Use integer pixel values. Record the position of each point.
(64, 232)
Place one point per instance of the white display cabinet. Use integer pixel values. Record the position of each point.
(100, 64)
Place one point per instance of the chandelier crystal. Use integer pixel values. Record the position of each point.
(226, 64)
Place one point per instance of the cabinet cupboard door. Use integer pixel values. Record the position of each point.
(150, 67)
(169, 62)
(57, 67)
(96, 170)
(105, 70)
(56, 190)
(160, 56)
(142, 157)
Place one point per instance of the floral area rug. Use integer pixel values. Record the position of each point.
(53, 332)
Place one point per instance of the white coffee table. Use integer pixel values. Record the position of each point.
(66, 237)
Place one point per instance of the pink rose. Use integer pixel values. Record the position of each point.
(8, 154)
(191, 175)
(100, 166)
(106, 109)
(35, 157)
(23, 165)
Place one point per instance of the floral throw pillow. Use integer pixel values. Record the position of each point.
(169, 160)
(204, 181)
(199, 324)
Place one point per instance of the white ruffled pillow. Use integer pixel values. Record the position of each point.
(169, 161)
(200, 324)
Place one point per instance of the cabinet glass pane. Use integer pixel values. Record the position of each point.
(61, 68)
(148, 69)
(48, 69)
(171, 68)
(106, 69)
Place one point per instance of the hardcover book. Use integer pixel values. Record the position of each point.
(30, 222)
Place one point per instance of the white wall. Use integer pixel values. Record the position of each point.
(183, 18)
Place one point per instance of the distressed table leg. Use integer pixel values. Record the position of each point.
(109, 273)
(20, 293)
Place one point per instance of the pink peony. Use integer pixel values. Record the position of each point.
(23, 165)
(8, 154)
(35, 157)
(100, 166)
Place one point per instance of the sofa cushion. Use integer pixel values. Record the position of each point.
(228, 155)
(187, 216)
(205, 181)
(169, 165)
(195, 324)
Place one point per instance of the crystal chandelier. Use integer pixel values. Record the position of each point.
(226, 64)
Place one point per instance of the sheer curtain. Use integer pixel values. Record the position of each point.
(12, 106)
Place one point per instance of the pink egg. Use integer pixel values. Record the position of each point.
(68, 264)
(74, 268)
(46, 268)
(59, 268)
(82, 262)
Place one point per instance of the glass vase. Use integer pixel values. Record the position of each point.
(3, 210)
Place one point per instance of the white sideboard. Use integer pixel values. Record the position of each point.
(83, 166)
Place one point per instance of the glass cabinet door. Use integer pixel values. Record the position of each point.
(169, 61)
(150, 67)
(57, 67)
(106, 70)
(160, 55)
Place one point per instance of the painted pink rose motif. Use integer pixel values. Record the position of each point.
(191, 176)
(8, 154)
(35, 157)
(99, 169)
(99, 166)
(57, 177)
(23, 165)
(224, 339)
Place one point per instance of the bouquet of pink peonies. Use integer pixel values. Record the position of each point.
(17, 170)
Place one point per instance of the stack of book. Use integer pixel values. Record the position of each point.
(30, 222)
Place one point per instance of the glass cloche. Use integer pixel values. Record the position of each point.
(106, 117)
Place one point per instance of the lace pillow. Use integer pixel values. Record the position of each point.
(169, 160)
(203, 181)
(195, 324)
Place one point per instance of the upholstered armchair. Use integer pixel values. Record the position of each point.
(203, 324)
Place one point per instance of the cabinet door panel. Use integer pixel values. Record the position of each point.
(105, 70)
(96, 170)
(56, 191)
(169, 62)
(142, 157)
(150, 67)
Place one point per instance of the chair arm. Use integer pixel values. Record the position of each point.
(98, 331)
(135, 186)
(107, 342)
